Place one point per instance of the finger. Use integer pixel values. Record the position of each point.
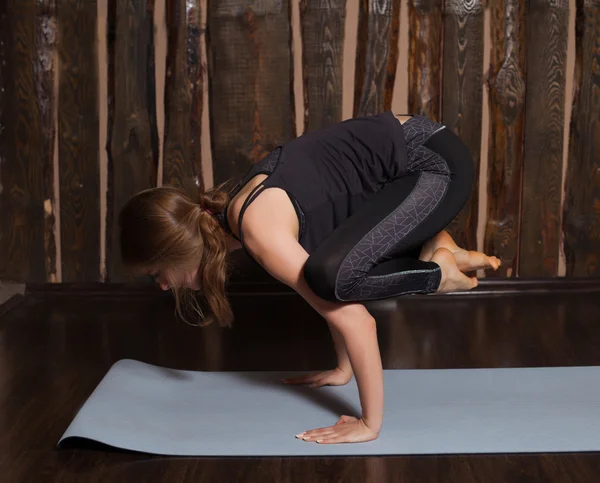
(338, 440)
(347, 438)
(300, 379)
(296, 380)
(320, 432)
(329, 437)
(315, 437)
(342, 435)
(317, 431)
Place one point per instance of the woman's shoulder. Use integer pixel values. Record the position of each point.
(270, 216)
(270, 230)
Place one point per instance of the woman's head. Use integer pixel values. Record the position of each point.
(166, 234)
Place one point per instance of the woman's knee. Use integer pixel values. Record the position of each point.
(458, 159)
(320, 274)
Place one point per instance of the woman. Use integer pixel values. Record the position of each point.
(346, 214)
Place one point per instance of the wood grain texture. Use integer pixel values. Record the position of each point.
(462, 97)
(322, 56)
(25, 132)
(581, 223)
(425, 47)
(183, 97)
(132, 153)
(547, 34)
(506, 83)
(79, 165)
(376, 56)
(46, 44)
(250, 85)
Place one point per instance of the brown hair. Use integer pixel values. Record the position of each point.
(163, 227)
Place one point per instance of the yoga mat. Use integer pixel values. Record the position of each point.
(155, 410)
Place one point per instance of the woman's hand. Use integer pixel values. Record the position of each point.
(337, 377)
(347, 430)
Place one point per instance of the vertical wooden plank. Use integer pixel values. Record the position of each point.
(25, 134)
(78, 141)
(150, 55)
(543, 152)
(581, 222)
(506, 83)
(161, 54)
(46, 38)
(376, 56)
(111, 40)
(133, 154)
(322, 56)
(6, 222)
(102, 33)
(183, 97)
(425, 19)
(250, 85)
(462, 95)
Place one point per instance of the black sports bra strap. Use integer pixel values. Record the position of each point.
(253, 194)
(266, 165)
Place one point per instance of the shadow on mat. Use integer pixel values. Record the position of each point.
(327, 400)
(271, 379)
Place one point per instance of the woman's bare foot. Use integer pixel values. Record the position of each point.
(452, 278)
(466, 260)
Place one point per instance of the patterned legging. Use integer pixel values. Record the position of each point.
(374, 254)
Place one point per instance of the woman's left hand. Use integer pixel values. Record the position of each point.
(347, 430)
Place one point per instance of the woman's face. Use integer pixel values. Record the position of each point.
(180, 278)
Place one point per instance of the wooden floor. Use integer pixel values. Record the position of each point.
(55, 346)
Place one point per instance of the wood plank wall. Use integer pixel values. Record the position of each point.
(26, 133)
(462, 91)
(530, 114)
(547, 39)
(323, 30)
(582, 202)
(250, 82)
(506, 82)
(78, 142)
(132, 138)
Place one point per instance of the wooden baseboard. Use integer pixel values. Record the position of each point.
(534, 285)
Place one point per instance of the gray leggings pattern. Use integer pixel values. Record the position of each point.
(353, 280)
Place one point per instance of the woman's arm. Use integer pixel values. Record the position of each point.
(276, 249)
(355, 325)
(340, 349)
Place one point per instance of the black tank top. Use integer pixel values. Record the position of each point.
(329, 173)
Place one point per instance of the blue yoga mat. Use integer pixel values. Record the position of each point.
(150, 409)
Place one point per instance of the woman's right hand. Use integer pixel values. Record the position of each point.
(336, 377)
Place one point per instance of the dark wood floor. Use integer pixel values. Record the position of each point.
(56, 346)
